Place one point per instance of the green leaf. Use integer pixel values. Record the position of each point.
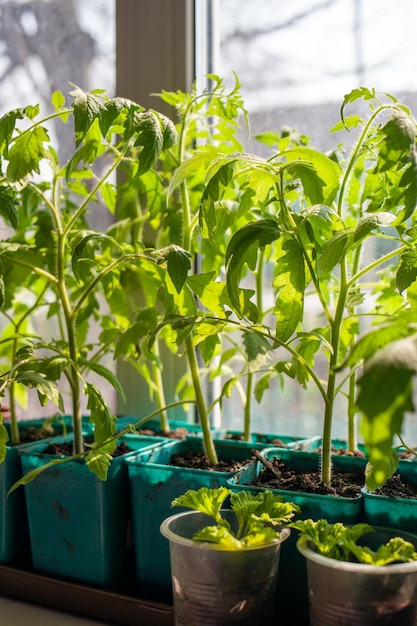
(385, 395)
(258, 516)
(255, 344)
(27, 478)
(334, 251)
(84, 251)
(102, 417)
(104, 372)
(370, 343)
(26, 154)
(371, 222)
(47, 389)
(212, 295)
(319, 175)
(378, 472)
(208, 501)
(87, 108)
(334, 541)
(111, 111)
(178, 264)
(8, 204)
(356, 94)
(398, 141)
(58, 100)
(289, 281)
(4, 438)
(98, 462)
(7, 126)
(220, 535)
(154, 133)
(407, 271)
(242, 252)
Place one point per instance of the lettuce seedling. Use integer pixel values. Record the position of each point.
(259, 518)
(339, 542)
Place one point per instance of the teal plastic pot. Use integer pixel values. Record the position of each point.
(155, 424)
(401, 513)
(268, 440)
(154, 484)
(14, 530)
(80, 525)
(292, 591)
(358, 594)
(316, 443)
(213, 586)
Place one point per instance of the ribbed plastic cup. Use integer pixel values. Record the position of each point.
(213, 586)
(356, 594)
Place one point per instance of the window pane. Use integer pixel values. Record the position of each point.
(296, 61)
(44, 46)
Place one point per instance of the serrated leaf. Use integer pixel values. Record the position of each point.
(289, 282)
(356, 94)
(334, 251)
(7, 126)
(154, 133)
(212, 295)
(101, 416)
(319, 175)
(379, 471)
(47, 389)
(370, 222)
(26, 154)
(206, 500)
(84, 250)
(104, 372)
(87, 108)
(111, 111)
(407, 271)
(371, 342)
(98, 462)
(255, 344)
(242, 252)
(8, 204)
(385, 396)
(178, 264)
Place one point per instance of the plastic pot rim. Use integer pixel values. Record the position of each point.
(304, 543)
(174, 537)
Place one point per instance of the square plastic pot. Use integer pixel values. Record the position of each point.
(80, 525)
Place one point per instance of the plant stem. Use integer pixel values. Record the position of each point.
(159, 392)
(201, 404)
(190, 350)
(248, 407)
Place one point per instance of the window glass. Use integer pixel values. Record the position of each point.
(296, 61)
(44, 46)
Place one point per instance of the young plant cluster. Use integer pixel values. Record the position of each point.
(340, 542)
(259, 518)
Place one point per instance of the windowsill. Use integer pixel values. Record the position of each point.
(19, 613)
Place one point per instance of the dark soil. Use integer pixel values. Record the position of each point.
(177, 433)
(67, 449)
(407, 454)
(398, 487)
(199, 460)
(344, 452)
(280, 476)
(274, 443)
(28, 434)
